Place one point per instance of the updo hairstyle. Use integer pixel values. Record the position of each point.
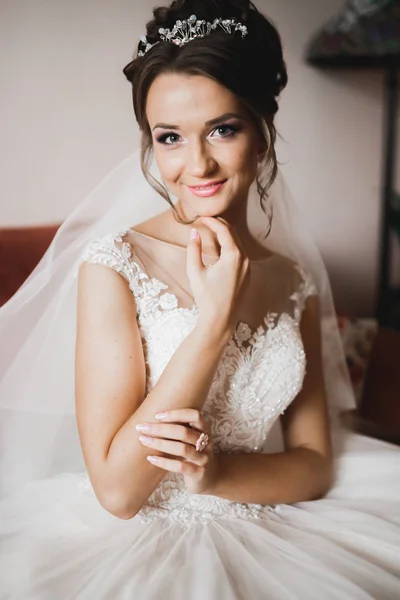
(251, 67)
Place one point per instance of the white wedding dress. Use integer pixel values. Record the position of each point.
(58, 543)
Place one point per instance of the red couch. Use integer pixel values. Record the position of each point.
(21, 248)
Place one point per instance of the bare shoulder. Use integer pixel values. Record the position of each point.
(297, 273)
(110, 370)
(101, 287)
(284, 265)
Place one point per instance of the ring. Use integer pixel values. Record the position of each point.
(202, 442)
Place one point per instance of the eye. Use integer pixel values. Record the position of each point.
(168, 139)
(225, 131)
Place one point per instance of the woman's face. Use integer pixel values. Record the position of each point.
(206, 146)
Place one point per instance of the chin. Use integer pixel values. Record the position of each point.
(211, 211)
(215, 206)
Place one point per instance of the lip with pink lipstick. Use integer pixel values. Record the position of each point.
(208, 189)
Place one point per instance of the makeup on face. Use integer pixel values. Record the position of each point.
(205, 143)
(207, 190)
(232, 124)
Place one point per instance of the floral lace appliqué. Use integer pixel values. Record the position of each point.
(305, 289)
(260, 373)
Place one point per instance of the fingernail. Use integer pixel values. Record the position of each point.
(145, 440)
(163, 415)
(144, 427)
(152, 459)
(193, 234)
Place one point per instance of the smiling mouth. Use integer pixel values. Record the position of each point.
(207, 186)
(207, 190)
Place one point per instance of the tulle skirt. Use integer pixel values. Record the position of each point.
(58, 543)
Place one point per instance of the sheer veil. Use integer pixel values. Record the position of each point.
(38, 435)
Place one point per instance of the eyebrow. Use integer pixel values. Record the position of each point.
(215, 121)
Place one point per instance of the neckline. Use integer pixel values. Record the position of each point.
(252, 260)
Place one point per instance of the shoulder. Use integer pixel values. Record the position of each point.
(105, 281)
(304, 280)
(111, 250)
(297, 283)
(294, 274)
(304, 287)
(107, 246)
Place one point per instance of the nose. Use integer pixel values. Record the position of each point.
(200, 161)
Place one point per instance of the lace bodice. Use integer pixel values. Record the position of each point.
(261, 370)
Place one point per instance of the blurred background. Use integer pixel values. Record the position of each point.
(66, 119)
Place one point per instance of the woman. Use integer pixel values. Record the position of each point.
(192, 337)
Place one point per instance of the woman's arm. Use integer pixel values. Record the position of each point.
(304, 471)
(110, 387)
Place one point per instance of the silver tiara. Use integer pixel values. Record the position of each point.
(186, 31)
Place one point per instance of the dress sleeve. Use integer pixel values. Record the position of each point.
(111, 251)
(304, 287)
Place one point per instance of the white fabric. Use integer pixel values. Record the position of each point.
(264, 363)
(38, 435)
(57, 542)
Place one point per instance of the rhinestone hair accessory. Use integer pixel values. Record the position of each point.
(184, 32)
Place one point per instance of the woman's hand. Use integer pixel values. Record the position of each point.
(218, 289)
(176, 436)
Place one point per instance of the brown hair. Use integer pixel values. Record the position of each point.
(251, 67)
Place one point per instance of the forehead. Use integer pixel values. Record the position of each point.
(187, 99)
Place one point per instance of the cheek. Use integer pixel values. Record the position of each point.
(169, 164)
(245, 161)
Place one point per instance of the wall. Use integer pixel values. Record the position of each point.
(66, 120)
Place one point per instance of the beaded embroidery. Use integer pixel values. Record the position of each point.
(258, 376)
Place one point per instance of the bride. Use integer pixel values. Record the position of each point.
(173, 382)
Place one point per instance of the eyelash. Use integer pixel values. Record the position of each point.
(233, 131)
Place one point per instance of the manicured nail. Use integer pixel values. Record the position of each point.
(193, 234)
(152, 459)
(143, 427)
(163, 415)
(145, 440)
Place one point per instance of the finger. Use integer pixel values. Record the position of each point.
(192, 416)
(193, 255)
(175, 466)
(171, 431)
(179, 449)
(233, 231)
(224, 235)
